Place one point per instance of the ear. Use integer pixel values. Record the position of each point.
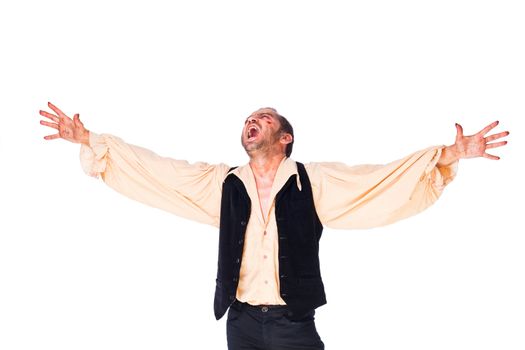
(286, 138)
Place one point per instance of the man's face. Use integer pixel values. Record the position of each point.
(261, 130)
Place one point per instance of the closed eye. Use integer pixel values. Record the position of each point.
(267, 118)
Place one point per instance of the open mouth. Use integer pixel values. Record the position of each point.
(252, 133)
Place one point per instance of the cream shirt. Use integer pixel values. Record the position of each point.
(345, 197)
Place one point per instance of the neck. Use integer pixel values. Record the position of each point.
(266, 165)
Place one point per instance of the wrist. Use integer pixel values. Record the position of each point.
(449, 155)
(85, 138)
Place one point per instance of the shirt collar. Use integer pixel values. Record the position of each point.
(287, 168)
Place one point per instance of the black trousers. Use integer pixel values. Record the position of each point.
(268, 328)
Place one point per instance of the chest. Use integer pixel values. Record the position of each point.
(264, 189)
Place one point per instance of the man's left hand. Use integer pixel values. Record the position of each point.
(472, 146)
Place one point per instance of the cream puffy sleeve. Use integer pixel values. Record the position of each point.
(366, 196)
(192, 191)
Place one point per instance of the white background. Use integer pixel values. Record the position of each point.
(82, 267)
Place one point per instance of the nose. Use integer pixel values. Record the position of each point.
(251, 120)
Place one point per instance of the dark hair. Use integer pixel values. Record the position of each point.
(287, 128)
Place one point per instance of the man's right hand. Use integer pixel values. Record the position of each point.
(68, 129)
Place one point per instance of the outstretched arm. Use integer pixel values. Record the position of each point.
(472, 146)
(367, 196)
(189, 190)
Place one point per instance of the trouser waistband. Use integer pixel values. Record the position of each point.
(239, 305)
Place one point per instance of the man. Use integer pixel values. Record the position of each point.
(271, 212)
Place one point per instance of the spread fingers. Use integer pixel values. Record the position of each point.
(50, 116)
(490, 156)
(56, 110)
(496, 144)
(51, 125)
(52, 137)
(488, 128)
(496, 136)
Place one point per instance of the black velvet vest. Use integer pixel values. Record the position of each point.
(299, 230)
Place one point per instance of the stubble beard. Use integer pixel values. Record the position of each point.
(262, 145)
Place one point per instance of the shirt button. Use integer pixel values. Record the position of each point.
(265, 282)
(265, 233)
(266, 257)
(243, 223)
(238, 260)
